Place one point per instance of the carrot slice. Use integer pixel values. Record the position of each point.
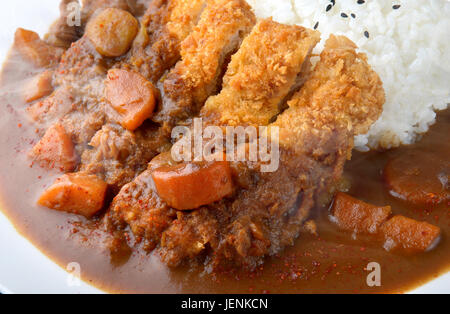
(55, 150)
(77, 193)
(132, 97)
(35, 50)
(189, 186)
(39, 86)
(357, 216)
(410, 179)
(409, 234)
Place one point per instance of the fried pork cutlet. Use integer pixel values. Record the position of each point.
(219, 33)
(138, 204)
(262, 73)
(164, 26)
(341, 98)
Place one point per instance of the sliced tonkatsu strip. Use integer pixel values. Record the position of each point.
(164, 26)
(262, 73)
(342, 91)
(219, 33)
(146, 214)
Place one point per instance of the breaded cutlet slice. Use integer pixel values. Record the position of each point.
(342, 92)
(222, 27)
(164, 26)
(262, 73)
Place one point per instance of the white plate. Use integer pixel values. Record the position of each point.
(23, 268)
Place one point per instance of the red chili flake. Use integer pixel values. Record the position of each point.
(19, 125)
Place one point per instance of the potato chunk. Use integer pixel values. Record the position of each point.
(112, 32)
(39, 86)
(35, 50)
(408, 234)
(189, 186)
(77, 193)
(55, 150)
(131, 96)
(357, 216)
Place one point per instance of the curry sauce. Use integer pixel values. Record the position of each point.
(333, 261)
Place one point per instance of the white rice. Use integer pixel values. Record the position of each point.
(408, 47)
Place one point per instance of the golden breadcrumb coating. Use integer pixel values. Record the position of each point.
(183, 16)
(342, 92)
(164, 26)
(220, 31)
(262, 73)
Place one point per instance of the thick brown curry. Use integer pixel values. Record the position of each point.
(120, 251)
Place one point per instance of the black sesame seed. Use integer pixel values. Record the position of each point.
(344, 15)
(316, 25)
(353, 15)
(329, 7)
(361, 2)
(366, 33)
(397, 6)
(333, 2)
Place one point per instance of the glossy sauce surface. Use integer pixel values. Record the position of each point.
(333, 261)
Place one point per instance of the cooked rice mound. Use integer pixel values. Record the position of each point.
(408, 47)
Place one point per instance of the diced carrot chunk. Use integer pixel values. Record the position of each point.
(77, 193)
(412, 180)
(132, 97)
(189, 186)
(55, 150)
(357, 216)
(409, 234)
(39, 86)
(35, 50)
